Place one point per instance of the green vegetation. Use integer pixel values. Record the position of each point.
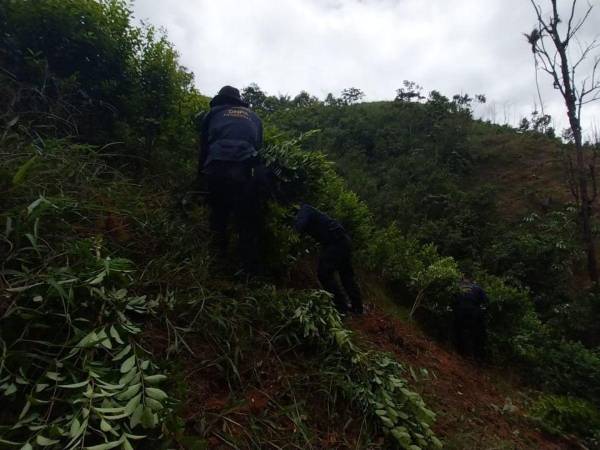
(116, 320)
(93, 383)
(568, 415)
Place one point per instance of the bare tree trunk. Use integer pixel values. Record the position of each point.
(563, 75)
(582, 176)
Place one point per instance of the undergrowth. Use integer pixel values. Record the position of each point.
(566, 415)
(75, 368)
(72, 370)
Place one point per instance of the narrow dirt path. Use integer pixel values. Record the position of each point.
(477, 407)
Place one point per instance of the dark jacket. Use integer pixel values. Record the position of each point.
(231, 133)
(470, 296)
(318, 225)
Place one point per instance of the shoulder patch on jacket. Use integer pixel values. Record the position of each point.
(238, 113)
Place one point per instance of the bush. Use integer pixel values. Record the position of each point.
(564, 415)
(540, 252)
(81, 68)
(511, 316)
(577, 318)
(401, 259)
(307, 177)
(560, 366)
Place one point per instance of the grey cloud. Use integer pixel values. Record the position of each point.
(325, 46)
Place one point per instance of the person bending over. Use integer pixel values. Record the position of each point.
(335, 256)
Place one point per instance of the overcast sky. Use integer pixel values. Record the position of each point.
(322, 46)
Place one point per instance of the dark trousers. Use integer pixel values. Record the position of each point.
(335, 257)
(470, 333)
(233, 192)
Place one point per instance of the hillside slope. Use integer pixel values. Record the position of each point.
(527, 170)
(478, 407)
(120, 327)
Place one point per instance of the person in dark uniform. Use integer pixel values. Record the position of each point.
(469, 310)
(336, 256)
(231, 135)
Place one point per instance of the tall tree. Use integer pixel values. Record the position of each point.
(553, 43)
(352, 95)
(410, 92)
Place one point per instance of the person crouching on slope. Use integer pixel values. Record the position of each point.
(231, 135)
(336, 256)
(469, 310)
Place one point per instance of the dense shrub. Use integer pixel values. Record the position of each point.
(511, 315)
(540, 252)
(566, 415)
(92, 382)
(82, 68)
(307, 177)
(560, 366)
(577, 318)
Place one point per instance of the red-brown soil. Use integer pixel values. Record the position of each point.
(476, 407)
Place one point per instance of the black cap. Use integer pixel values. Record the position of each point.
(228, 95)
(231, 92)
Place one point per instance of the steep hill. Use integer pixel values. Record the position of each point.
(492, 197)
(121, 327)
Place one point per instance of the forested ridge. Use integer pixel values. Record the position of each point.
(120, 327)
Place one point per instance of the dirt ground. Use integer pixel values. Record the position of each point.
(477, 407)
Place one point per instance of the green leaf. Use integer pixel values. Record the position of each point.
(27, 446)
(115, 335)
(89, 340)
(104, 339)
(155, 393)
(44, 441)
(74, 385)
(148, 418)
(127, 445)
(105, 426)
(54, 376)
(135, 437)
(132, 404)
(122, 353)
(130, 376)
(21, 174)
(154, 379)
(110, 410)
(129, 392)
(35, 204)
(387, 422)
(22, 288)
(120, 294)
(136, 417)
(110, 387)
(12, 122)
(154, 404)
(128, 364)
(75, 428)
(106, 445)
(89, 392)
(25, 410)
(436, 442)
(98, 278)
